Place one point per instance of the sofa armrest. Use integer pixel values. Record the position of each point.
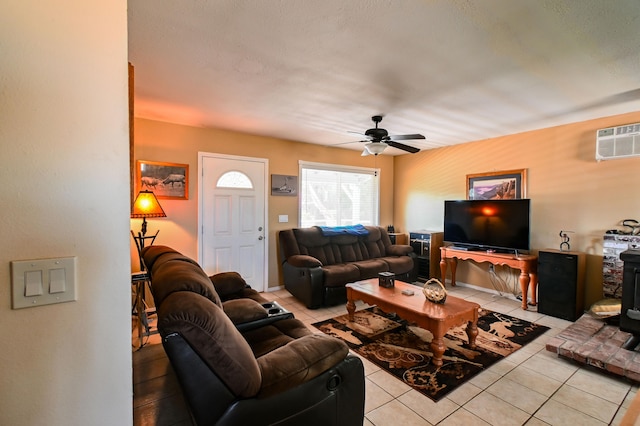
(306, 284)
(399, 250)
(242, 311)
(299, 361)
(303, 261)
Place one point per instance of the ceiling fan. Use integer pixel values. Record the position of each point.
(378, 139)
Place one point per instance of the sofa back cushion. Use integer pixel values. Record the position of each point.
(172, 272)
(212, 335)
(335, 249)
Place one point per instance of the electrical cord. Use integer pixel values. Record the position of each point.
(502, 285)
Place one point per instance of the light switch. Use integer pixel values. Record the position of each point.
(283, 218)
(42, 281)
(32, 283)
(56, 280)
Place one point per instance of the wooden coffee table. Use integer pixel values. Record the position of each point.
(437, 318)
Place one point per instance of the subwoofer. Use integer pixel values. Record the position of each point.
(561, 283)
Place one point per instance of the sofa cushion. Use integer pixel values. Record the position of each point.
(214, 337)
(399, 265)
(227, 283)
(181, 275)
(270, 337)
(151, 254)
(299, 361)
(370, 268)
(339, 275)
(244, 310)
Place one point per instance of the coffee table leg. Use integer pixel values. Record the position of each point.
(351, 309)
(472, 333)
(437, 347)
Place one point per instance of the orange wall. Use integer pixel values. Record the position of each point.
(569, 190)
(159, 141)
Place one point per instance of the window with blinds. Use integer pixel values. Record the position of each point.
(333, 195)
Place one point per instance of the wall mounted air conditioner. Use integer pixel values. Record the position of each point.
(618, 142)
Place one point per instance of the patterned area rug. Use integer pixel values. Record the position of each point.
(403, 349)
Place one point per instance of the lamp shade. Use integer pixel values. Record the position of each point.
(147, 205)
(375, 148)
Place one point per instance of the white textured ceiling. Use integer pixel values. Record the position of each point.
(452, 70)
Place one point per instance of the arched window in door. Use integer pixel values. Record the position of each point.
(234, 179)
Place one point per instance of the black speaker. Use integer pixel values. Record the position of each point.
(561, 284)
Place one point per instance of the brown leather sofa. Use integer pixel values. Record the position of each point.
(316, 267)
(277, 372)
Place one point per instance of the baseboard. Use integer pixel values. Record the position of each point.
(486, 290)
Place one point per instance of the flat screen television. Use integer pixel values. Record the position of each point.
(491, 225)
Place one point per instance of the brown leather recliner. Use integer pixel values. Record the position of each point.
(276, 373)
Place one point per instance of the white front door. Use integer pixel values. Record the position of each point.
(232, 206)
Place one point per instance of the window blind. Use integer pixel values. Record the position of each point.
(334, 195)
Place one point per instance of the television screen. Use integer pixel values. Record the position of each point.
(501, 225)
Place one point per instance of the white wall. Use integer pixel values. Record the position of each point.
(65, 192)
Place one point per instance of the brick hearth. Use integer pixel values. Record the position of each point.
(592, 342)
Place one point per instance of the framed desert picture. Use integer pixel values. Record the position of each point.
(166, 180)
(508, 184)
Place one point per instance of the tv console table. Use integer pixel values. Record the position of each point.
(527, 264)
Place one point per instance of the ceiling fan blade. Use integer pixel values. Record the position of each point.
(347, 143)
(359, 134)
(403, 147)
(406, 137)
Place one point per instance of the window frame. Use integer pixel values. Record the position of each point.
(375, 172)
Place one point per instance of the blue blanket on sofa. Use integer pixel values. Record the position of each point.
(330, 231)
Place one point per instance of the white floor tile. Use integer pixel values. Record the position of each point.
(495, 411)
(612, 389)
(517, 395)
(463, 417)
(530, 381)
(554, 413)
(591, 405)
(431, 411)
(395, 413)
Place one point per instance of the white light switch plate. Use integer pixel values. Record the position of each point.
(46, 281)
(283, 218)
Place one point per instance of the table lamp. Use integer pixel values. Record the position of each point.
(146, 205)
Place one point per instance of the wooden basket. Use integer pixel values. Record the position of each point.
(434, 291)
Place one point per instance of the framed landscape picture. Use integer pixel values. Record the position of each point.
(166, 180)
(509, 184)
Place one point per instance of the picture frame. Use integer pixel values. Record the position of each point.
(507, 184)
(284, 185)
(166, 180)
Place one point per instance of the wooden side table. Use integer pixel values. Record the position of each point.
(527, 264)
(399, 238)
(139, 282)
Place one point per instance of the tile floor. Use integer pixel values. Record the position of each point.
(532, 386)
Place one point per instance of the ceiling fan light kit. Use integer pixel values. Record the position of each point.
(375, 148)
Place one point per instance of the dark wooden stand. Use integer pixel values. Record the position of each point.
(527, 264)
